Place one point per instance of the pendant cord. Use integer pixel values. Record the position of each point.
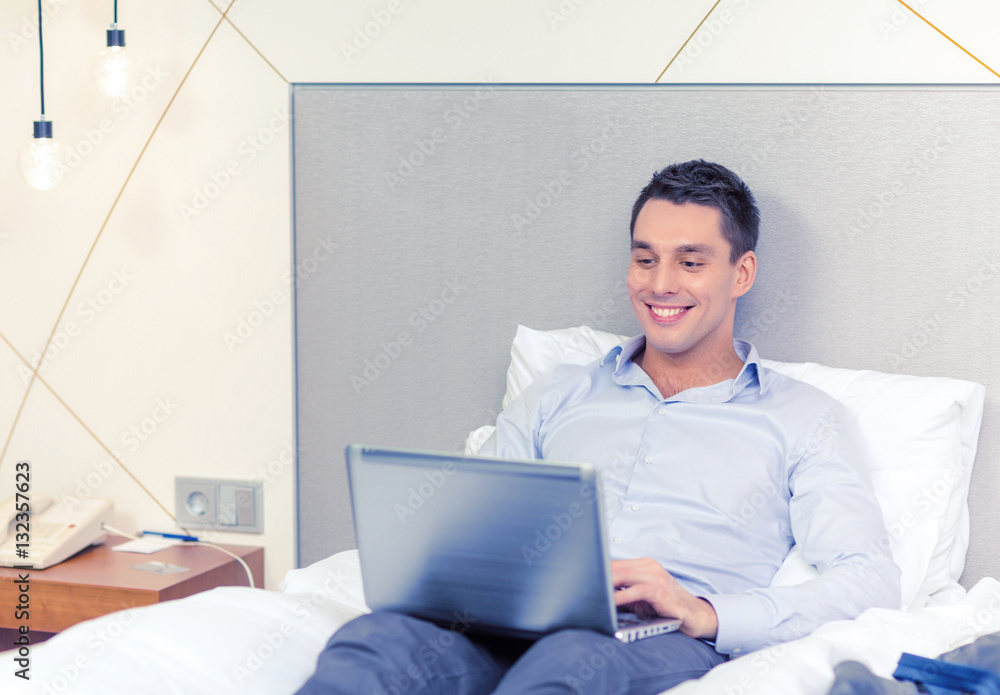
(41, 59)
(116, 12)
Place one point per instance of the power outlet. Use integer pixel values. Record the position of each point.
(222, 505)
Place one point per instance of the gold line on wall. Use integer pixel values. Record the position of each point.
(688, 39)
(101, 443)
(82, 424)
(225, 15)
(256, 50)
(24, 399)
(924, 19)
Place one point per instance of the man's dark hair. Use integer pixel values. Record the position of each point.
(712, 185)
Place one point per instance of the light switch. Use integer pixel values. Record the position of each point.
(245, 507)
(224, 505)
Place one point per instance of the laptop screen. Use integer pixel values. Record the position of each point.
(507, 546)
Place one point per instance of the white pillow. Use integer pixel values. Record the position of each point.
(534, 352)
(921, 433)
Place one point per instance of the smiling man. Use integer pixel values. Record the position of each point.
(686, 428)
(683, 281)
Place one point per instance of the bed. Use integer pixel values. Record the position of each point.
(921, 434)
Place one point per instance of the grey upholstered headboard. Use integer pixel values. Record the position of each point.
(430, 220)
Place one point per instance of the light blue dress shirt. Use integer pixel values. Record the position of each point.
(716, 483)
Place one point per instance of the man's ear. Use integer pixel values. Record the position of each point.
(746, 274)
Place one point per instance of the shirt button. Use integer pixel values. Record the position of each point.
(648, 459)
(738, 651)
(635, 507)
(618, 541)
(662, 411)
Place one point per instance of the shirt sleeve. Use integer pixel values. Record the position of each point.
(837, 524)
(517, 434)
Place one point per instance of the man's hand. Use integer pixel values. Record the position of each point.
(648, 589)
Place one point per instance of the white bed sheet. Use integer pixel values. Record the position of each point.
(240, 640)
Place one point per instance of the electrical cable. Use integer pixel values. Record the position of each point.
(109, 527)
(41, 58)
(246, 567)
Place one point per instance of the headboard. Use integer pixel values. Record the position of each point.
(430, 220)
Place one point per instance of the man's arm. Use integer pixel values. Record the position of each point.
(517, 427)
(837, 524)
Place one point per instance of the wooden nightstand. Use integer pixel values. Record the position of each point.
(97, 581)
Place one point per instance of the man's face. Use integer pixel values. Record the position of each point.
(682, 285)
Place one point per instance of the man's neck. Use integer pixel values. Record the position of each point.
(671, 375)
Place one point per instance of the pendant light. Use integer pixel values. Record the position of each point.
(114, 71)
(41, 162)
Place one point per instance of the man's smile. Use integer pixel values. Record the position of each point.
(667, 312)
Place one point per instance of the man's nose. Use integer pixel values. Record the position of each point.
(666, 280)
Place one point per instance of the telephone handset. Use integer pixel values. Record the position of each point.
(53, 532)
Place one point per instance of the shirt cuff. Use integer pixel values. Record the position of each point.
(741, 617)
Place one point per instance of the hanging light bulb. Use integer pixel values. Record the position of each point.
(114, 71)
(42, 162)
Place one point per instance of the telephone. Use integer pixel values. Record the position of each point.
(54, 531)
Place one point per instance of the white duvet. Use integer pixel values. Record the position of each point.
(240, 640)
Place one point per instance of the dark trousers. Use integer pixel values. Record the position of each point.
(387, 653)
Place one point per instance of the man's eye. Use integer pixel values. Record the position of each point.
(644, 261)
(690, 264)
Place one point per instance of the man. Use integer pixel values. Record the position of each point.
(713, 467)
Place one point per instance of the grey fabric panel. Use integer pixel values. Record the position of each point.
(459, 212)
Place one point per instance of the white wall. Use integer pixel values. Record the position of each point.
(141, 278)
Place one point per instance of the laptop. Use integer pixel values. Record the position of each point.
(496, 546)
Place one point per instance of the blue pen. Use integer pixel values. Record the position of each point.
(176, 536)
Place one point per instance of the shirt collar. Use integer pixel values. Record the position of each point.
(627, 372)
(753, 370)
(624, 351)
